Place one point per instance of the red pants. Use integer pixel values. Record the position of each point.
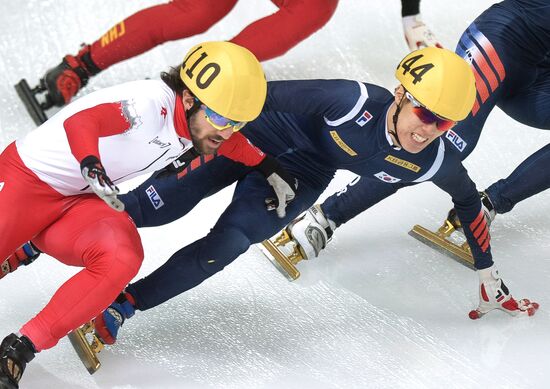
(267, 38)
(77, 230)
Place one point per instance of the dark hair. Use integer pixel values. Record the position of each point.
(173, 80)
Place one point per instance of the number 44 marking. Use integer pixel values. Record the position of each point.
(418, 71)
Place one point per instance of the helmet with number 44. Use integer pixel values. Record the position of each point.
(440, 80)
(227, 78)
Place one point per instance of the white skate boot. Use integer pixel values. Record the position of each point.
(303, 238)
(311, 232)
(418, 34)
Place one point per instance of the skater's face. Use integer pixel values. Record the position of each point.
(206, 138)
(413, 132)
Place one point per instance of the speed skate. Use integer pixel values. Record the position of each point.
(448, 239)
(284, 253)
(87, 345)
(29, 97)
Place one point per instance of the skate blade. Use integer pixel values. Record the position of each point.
(86, 352)
(444, 246)
(31, 104)
(280, 260)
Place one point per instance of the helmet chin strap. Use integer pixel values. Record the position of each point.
(394, 119)
(194, 108)
(188, 113)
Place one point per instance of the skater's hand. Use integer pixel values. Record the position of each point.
(493, 294)
(95, 175)
(283, 184)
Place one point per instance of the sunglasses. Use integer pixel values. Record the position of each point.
(218, 121)
(428, 117)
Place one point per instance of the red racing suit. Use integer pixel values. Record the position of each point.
(133, 128)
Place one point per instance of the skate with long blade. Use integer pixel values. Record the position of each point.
(29, 97)
(87, 345)
(442, 241)
(284, 253)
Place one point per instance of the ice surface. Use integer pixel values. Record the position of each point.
(377, 310)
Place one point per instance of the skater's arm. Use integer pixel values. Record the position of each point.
(84, 128)
(239, 149)
(457, 183)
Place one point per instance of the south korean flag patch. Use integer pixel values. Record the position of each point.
(383, 176)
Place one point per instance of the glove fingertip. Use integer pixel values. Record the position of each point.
(474, 314)
(281, 211)
(120, 206)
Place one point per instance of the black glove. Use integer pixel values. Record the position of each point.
(95, 175)
(179, 165)
(281, 181)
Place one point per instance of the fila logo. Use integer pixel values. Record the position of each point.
(1, 186)
(154, 197)
(364, 118)
(456, 140)
(383, 176)
(163, 112)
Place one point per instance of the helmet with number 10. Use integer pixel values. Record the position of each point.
(227, 78)
(440, 80)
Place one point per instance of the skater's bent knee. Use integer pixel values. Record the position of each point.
(221, 247)
(129, 258)
(117, 251)
(121, 264)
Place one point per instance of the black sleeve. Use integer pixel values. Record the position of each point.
(410, 7)
(454, 179)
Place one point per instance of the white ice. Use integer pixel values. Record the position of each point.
(377, 310)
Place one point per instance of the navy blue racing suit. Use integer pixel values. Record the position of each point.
(313, 128)
(508, 46)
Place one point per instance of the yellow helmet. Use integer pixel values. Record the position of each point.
(227, 78)
(440, 80)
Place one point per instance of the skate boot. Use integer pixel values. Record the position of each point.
(24, 255)
(303, 238)
(59, 85)
(15, 353)
(486, 206)
(446, 241)
(417, 34)
(90, 339)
